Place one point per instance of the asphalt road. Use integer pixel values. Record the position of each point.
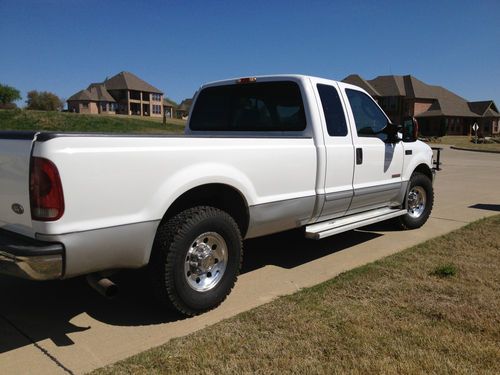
(65, 327)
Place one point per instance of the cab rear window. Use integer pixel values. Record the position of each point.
(259, 106)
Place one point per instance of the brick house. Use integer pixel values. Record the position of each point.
(169, 108)
(94, 99)
(438, 110)
(124, 93)
(182, 111)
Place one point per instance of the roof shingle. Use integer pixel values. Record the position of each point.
(446, 103)
(129, 81)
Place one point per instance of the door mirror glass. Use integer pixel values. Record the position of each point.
(410, 129)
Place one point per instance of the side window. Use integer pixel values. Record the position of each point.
(370, 120)
(332, 108)
(259, 106)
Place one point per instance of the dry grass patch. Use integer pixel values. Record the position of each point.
(434, 308)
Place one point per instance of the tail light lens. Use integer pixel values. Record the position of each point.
(46, 194)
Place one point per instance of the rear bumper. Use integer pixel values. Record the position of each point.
(28, 258)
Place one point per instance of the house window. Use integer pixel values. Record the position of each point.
(156, 109)
(85, 105)
(135, 95)
(104, 107)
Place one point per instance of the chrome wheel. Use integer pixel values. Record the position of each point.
(417, 199)
(206, 261)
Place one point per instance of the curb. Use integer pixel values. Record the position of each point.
(470, 149)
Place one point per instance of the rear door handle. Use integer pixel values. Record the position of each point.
(359, 156)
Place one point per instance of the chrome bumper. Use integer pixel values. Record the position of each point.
(28, 258)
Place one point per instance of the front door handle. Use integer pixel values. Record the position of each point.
(359, 156)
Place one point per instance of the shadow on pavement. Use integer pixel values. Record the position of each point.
(485, 206)
(45, 310)
(291, 249)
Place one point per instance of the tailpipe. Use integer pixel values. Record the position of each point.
(102, 285)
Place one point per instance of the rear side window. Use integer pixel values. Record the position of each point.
(332, 108)
(259, 106)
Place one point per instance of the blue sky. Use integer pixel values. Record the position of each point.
(63, 45)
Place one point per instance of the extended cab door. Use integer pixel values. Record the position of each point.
(338, 189)
(378, 165)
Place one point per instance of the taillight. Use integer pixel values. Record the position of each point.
(46, 194)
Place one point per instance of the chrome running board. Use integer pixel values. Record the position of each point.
(331, 227)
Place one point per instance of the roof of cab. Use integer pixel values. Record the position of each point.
(271, 77)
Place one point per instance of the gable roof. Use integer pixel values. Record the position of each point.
(169, 103)
(96, 92)
(445, 102)
(484, 108)
(491, 113)
(185, 105)
(355, 79)
(80, 95)
(389, 85)
(408, 86)
(99, 92)
(129, 81)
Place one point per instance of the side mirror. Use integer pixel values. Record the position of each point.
(410, 129)
(392, 133)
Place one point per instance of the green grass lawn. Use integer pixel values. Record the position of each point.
(464, 141)
(74, 122)
(431, 309)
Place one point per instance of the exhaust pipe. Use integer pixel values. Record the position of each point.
(102, 285)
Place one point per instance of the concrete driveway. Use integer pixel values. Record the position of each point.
(58, 327)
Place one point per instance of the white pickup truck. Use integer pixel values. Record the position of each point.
(260, 155)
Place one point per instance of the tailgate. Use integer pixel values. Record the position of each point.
(15, 153)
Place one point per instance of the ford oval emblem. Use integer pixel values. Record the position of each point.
(18, 209)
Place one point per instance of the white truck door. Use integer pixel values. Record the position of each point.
(338, 190)
(378, 165)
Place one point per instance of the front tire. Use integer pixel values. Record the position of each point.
(196, 259)
(418, 201)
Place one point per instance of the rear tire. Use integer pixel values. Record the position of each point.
(196, 259)
(418, 201)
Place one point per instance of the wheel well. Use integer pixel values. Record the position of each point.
(220, 196)
(424, 169)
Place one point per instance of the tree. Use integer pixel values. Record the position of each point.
(44, 101)
(8, 95)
